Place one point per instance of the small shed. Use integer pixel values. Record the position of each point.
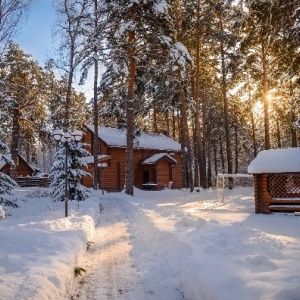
(157, 171)
(276, 180)
(23, 167)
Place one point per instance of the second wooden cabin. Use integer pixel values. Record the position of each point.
(157, 160)
(276, 180)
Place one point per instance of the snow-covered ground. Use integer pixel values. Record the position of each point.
(164, 245)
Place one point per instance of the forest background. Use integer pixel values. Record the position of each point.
(220, 77)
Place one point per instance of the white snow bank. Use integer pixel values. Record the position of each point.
(40, 248)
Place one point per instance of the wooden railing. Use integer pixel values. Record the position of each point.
(284, 190)
(285, 185)
(33, 181)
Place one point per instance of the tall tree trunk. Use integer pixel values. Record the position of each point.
(209, 164)
(202, 146)
(278, 134)
(27, 148)
(226, 114)
(196, 159)
(215, 157)
(222, 155)
(69, 89)
(185, 132)
(95, 104)
(195, 137)
(130, 115)
(14, 149)
(168, 123)
(293, 120)
(183, 111)
(183, 148)
(236, 148)
(178, 123)
(265, 97)
(253, 134)
(293, 131)
(252, 122)
(155, 116)
(198, 140)
(173, 123)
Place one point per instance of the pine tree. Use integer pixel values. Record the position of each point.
(75, 163)
(77, 152)
(262, 32)
(21, 83)
(139, 34)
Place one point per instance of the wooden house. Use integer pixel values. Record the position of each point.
(23, 167)
(276, 180)
(157, 160)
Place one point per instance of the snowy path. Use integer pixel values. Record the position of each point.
(110, 271)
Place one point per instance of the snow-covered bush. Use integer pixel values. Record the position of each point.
(6, 183)
(2, 213)
(75, 164)
(38, 193)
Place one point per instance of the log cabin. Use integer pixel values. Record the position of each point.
(23, 167)
(157, 160)
(276, 180)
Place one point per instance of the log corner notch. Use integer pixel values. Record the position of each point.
(262, 197)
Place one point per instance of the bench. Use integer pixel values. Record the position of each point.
(285, 204)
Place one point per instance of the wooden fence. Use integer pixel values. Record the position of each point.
(33, 181)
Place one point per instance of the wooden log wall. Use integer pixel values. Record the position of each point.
(114, 174)
(88, 180)
(23, 169)
(261, 195)
(176, 172)
(163, 174)
(6, 169)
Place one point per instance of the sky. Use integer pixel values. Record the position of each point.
(34, 36)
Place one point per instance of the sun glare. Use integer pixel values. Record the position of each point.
(258, 108)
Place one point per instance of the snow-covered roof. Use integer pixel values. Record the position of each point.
(276, 161)
(114, 137)
(36, 169)
(41, 175)
(4, 158)
(90, 159)
(2, 161)
(156, 157)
